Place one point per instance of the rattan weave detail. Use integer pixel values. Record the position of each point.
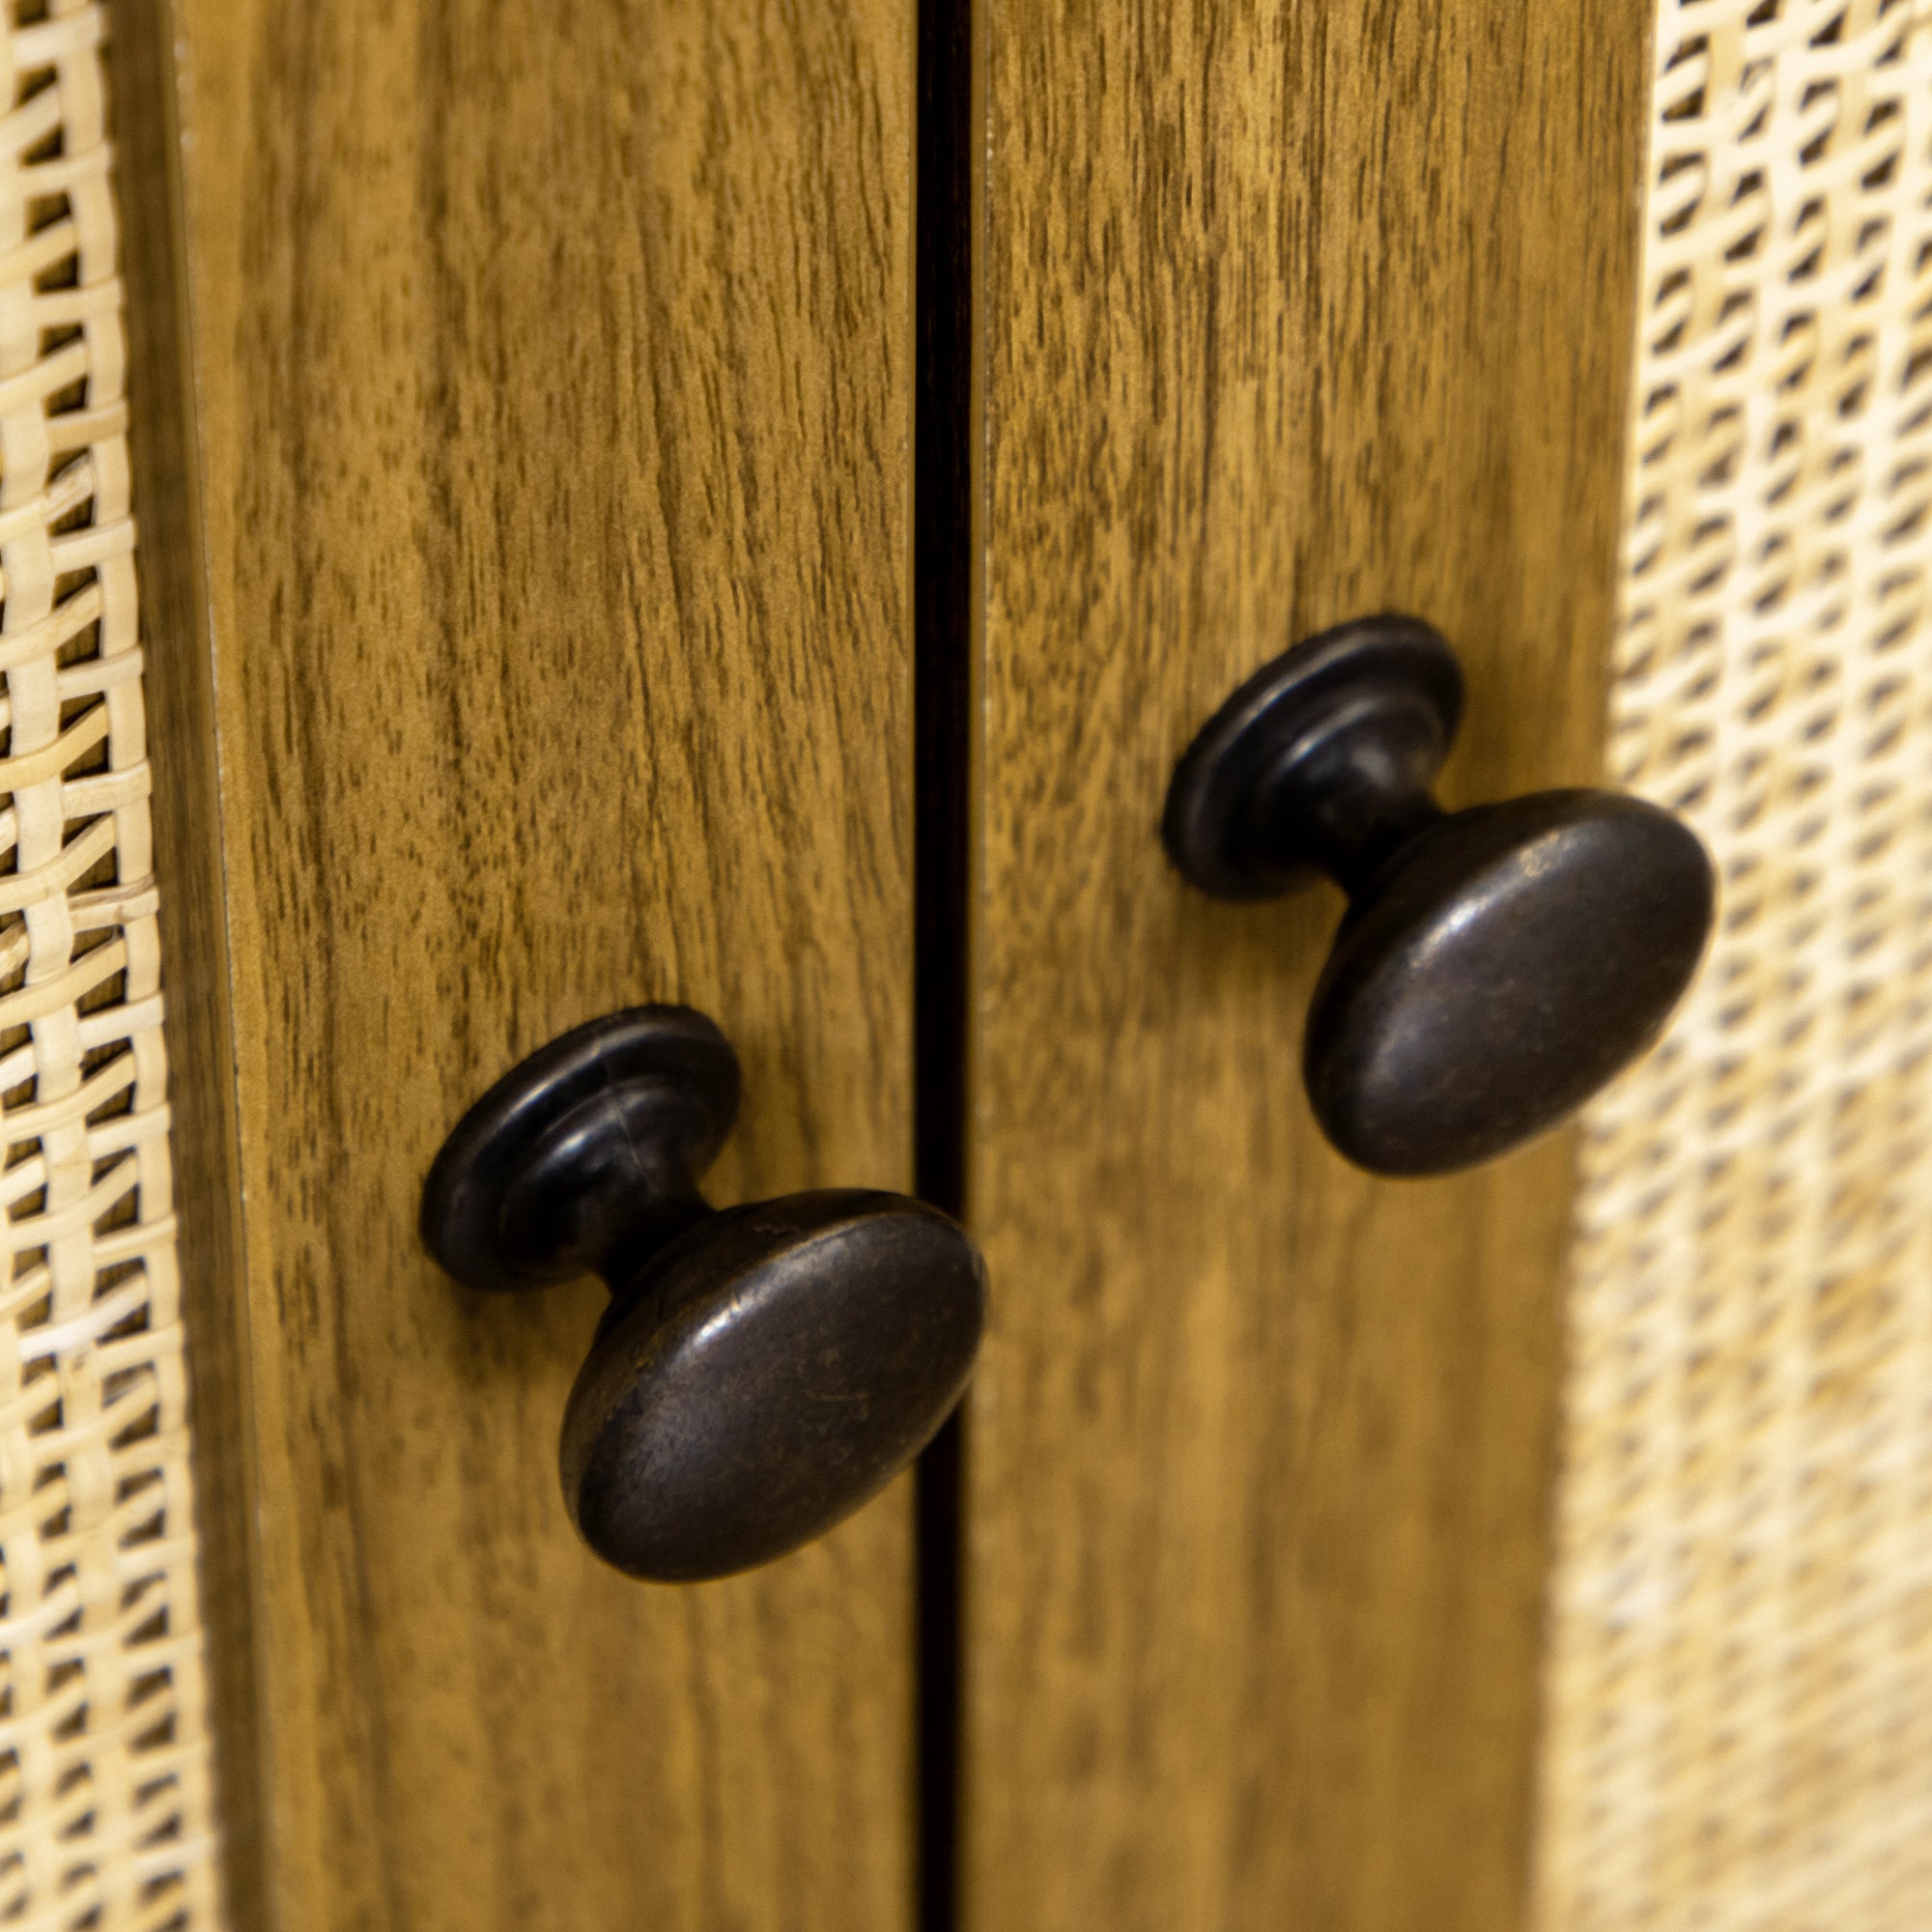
(104, 1779)
(1739, 1689)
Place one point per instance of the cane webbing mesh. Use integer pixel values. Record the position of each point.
(105, 1798)
(1739, 1700)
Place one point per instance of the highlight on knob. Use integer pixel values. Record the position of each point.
(1497, 965)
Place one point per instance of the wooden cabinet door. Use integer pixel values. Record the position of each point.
(1292, 314)
(525, 395)
(1543, 1547)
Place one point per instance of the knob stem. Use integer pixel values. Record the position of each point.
(610, 1184)
(1353, 791)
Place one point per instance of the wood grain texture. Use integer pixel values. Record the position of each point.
(1291, 313)
(551, 381)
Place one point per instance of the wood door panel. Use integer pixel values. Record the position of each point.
(548, 377)
(1291, 314)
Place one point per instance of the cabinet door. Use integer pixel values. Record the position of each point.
(533, 641)
(1292, 314)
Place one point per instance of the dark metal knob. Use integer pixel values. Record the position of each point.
(1496, 966)
(760, 1371)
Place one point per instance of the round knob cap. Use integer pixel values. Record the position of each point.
(761, 1371)
(1496, 966)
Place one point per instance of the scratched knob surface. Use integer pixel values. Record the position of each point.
(762, 1370)
(1497, 965)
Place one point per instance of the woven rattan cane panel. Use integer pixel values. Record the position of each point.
(1740, 1685)
(104, 1788)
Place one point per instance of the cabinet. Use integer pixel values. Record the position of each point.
(547, 380)
(744, 504)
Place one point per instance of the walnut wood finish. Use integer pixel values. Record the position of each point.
(1289, 313)
(548, 371)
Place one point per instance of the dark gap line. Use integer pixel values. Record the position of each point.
(942, 692)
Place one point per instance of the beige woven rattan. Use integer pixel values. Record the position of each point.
(1739, 1708)
(105, 1787)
